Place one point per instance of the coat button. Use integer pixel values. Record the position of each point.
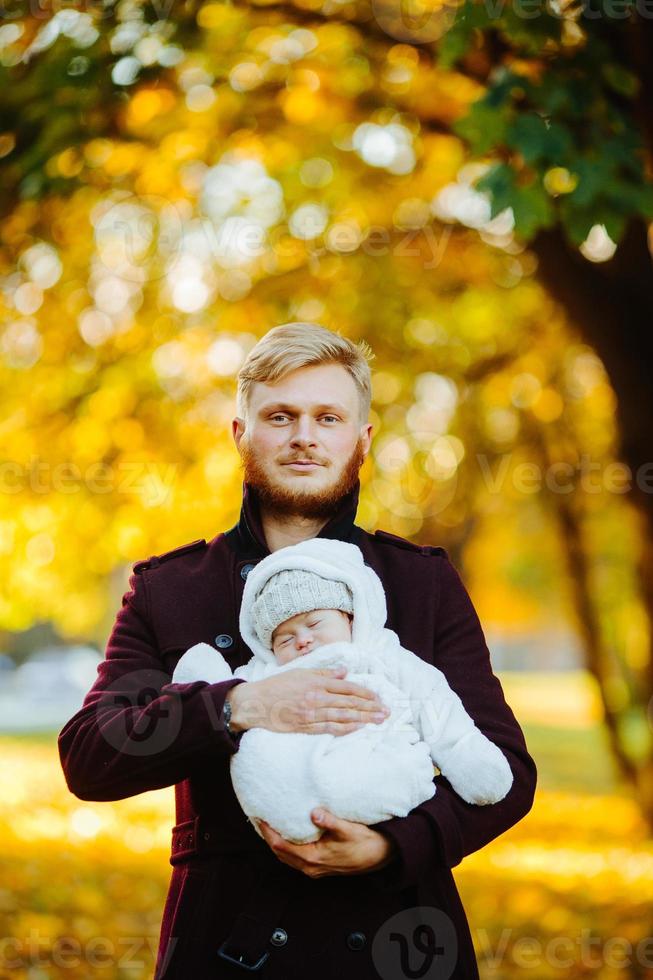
(245, 570)
(356, 940)
(279, 937)
(223, 640)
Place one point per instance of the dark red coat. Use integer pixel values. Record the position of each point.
(134, 733)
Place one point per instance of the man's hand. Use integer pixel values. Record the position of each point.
(311, 701)
(345, 848)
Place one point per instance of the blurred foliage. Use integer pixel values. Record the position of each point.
(228, 171)
(83, 884)
(565, 111)
(553, 98)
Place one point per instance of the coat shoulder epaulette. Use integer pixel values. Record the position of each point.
(155, 560)
(421, 549)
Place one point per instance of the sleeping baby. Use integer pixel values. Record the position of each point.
(317, 605)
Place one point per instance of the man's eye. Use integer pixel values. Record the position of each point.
(334, 417)
(273, 417)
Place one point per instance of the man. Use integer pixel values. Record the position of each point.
(362, 902)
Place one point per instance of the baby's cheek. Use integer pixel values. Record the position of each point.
(328, 636)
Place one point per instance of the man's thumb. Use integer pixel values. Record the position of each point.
(338, 829)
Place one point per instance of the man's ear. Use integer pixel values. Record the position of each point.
(366, 436)
(238, 426)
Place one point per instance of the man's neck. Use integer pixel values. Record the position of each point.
(291, 529)
(263, 528)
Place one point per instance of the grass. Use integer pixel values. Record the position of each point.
(572, 883)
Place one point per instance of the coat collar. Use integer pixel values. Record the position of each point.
(248, 536)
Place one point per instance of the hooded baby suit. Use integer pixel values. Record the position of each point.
(378, 771)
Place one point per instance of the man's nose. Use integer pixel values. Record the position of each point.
(303, 431)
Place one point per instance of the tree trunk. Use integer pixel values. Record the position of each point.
(611, 304)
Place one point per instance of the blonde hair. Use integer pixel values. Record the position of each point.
(291, 346)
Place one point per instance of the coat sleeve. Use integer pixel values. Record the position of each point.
(136, 731)
(444, 829)
(476, 768)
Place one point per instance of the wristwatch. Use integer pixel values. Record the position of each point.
(227, 715)
(227, 719)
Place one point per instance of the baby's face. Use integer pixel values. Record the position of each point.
(307, 631)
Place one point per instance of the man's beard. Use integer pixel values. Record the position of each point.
(280, 500)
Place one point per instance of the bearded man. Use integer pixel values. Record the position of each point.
(363, 902)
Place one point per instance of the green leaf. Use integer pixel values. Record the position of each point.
(593, 177)
(577, 222)
(615, 225)
(531, 206)
(484, 128)
(620, 79)
(470, 17)
(453, 46)
(552, 94)
(503, 85)
(627, 198)
(499, 182)
(645, 202)
(625, 151)
(567, 91)
(538, 140)
(528, 26)
(532, 209)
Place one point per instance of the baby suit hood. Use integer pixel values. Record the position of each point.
(332, 559)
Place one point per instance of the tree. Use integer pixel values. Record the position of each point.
(567, 117)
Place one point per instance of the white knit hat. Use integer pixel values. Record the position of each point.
(292, 591)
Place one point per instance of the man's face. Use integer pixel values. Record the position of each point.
(310, 415)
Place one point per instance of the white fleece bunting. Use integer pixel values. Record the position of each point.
(380, 770)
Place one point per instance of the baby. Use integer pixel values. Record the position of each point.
(316, 604)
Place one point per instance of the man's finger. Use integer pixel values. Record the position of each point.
(270, 834)
(351, 688)
(325, 819)
(279, 843)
